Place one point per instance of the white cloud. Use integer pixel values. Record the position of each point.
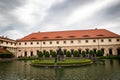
(83, 13)
(33, 11)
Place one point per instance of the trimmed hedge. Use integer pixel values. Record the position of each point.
(6, 55)
(110, 57)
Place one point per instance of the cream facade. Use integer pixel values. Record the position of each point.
(110, 46)
(8, 44)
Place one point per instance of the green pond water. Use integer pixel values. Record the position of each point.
(22, 70)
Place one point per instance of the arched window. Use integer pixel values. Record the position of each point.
(72, 51)
(65, 51)
(95, 50)
(51, 51)
(103, 50)
(118, 51)
(31, 53)
(25, 54)
(110, 51)
(87, 51)
(79, 50)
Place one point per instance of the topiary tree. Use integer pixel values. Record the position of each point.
(76, 54)
(68, 54)
(54, 54)
(47, 54)
(91, 52)
(39, 54)
(83, 53)
(99, 53)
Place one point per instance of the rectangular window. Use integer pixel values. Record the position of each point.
(117, 40)
(86, 41)
(102, 40)
(31, 43)
(25, 43)
(37, 42)
(94, 41)
(71, 41)
(64, 42)
(50, 42)
(19, 43)
(43, 42)
(57, 42)
(1, 42)
(6, 42)
(109, 40)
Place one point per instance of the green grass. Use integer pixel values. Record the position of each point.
(65, 62)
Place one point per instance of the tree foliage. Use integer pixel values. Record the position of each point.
(83, 53)
(54, 54)
(40, 54)
(99, 53)
(68, 54)
(6, 55)
(76, 54)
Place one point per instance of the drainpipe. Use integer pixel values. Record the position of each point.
(98, 44)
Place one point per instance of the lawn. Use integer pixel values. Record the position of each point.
(67, 62)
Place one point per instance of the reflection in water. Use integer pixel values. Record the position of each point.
(21, 70)
(59, 72)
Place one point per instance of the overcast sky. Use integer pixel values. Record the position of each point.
(19, 18)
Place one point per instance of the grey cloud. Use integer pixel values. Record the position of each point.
(59, 11)
(68, 5)
(110, 13)
(7, 5)
(6, 8)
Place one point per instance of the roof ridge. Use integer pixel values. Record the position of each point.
(67, 31)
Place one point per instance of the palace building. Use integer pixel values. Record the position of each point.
(7, 44)
(94, 39)
(80, 40)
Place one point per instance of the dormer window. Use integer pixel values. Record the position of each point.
(71, 36)
(33, 38)
(58, 37)
(45, 37)
(86, 36)
(100, 35)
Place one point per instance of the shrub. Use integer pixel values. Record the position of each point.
(83, 53)
(91, 52)
(99, 53)
(39, 54)
(46, 54)
(68, 54)
(76, 54)
(6, 55)
(54, 54)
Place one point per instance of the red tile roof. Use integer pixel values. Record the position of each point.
(3, 50)
(6, 39)
(72, 34)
